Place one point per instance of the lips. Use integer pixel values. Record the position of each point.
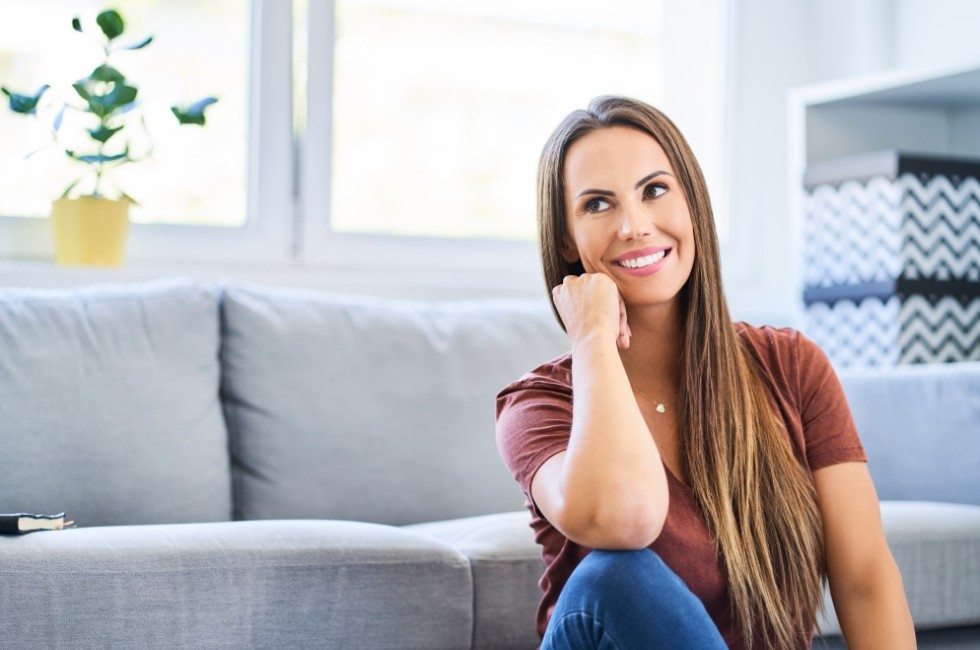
(643, 258)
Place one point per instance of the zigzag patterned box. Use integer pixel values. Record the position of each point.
(892, 258)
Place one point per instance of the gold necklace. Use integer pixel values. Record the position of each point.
(660, 406)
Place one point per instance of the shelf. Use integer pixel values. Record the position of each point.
(922, 112)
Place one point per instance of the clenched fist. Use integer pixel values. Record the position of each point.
(591, 305)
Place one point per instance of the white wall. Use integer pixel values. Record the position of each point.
(936, 33)
(783, 44)
(778, 45)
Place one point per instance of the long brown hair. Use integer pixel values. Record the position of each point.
(757, 499)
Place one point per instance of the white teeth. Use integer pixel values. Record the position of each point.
(640, 262)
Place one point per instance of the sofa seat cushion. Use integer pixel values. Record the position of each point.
(937, 549)
(263, 584)
(506, 565)
(109, 404)
(343, 407)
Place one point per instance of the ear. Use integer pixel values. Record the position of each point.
(569, 251)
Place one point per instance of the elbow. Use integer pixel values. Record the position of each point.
(617, 528)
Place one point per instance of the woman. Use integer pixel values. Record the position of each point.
(714, 467)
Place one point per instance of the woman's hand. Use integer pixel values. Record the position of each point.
(590, 304)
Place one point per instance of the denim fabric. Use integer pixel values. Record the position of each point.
(620, 600)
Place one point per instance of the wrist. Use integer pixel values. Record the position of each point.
(595, 342)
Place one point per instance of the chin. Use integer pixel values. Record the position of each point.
(649, 298)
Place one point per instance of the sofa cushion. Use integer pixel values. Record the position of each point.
(506, 565)
(241, 585)
(110, 404)
(372, 410)
(919, 425)
(937, 549)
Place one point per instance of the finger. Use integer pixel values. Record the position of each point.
(624, 328)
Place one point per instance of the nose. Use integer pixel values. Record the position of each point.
(634, 223)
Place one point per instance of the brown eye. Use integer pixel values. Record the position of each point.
(596, 205)
(654, 190)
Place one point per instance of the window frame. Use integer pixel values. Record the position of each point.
(267, 235)
(287, 230)
(512, 264)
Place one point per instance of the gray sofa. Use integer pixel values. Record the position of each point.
(254, 467)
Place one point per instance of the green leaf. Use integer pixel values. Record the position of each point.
(193, 114)
(138, 46)
(107, 73)
(111, 23)
(103, 133)
(97, 158)
(82, 91)
(59, 117)
(24, 104)
(76, 24)
(38, 150)
(117, 98)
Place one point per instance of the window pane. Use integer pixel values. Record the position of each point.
(441, 108)
(191, 175)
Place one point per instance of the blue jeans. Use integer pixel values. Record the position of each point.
(625, 600)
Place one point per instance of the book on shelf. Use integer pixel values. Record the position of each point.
(23, 522)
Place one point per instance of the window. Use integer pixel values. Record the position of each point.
(187, 60)
(235, 176)
(357, 134)
(444, 106)
(436, 111)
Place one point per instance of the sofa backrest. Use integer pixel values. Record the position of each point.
(109, 404)
(376, 410)
(920, 426)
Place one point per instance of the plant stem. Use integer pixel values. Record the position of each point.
(100, 167)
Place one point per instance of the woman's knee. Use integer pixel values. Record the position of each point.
(628, 578)
(616, 567)
(632, 595)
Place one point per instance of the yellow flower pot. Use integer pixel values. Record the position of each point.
(90, 230)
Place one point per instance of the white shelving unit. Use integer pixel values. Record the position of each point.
(860, 123)
(936, 112)
(919, 111)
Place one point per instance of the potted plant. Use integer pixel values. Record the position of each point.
(90, 220)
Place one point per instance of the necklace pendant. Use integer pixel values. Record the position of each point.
(661, 408)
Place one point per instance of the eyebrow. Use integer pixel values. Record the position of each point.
(650, 177)
(639, 183)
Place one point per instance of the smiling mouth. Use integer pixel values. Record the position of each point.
(640, 262)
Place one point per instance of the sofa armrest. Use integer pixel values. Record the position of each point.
(937, 549)
(297, 584)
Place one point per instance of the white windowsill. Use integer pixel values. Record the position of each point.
(409, 284)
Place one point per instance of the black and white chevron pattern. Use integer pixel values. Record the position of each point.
(881, 230)
(940, 228)
(939, 330)
(862, 334)
(886, 332)
(853, 233)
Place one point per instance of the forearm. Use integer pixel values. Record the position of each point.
(613, 476)
(876, 616)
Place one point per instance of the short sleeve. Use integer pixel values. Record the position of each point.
(534, 422)
(828, 427)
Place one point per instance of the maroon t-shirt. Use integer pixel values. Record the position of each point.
(534, 419)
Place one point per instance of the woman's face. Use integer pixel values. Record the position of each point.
(626, 215)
